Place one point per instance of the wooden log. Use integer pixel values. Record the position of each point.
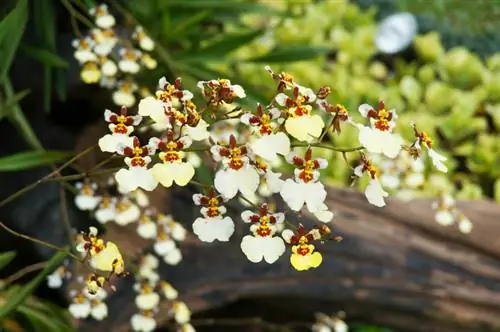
(395, 267)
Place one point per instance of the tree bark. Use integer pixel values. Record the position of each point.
(395, 267)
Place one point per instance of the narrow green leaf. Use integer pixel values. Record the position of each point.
(11, 31)
(44, 56)
(42, 321)
(219, 49)
(291, 54)
(30, 159)
(6, 258)
(239, 6)
(17, 117)
(13, 302)
(11, 102)
(185, 25)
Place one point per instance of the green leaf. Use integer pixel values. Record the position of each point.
(239, 6)
(30, 159)
(6, 258)
(11, 31)
(496, 190)
(291, 54)
(186, 24)
(42, 321)
(44, 56)
(19, 120)
(11, 102)
(15, 300)
(219, 49)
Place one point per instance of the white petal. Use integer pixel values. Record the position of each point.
(85, 202)
(180, 173)
(248, 180)
(147, 301)
(198, 133)
(122, 98)
(246, 215)
(371, 139)
(465, 225)
(391, 144)
(136, 177)
(274, 182)
(142, 323)
(163, 247)
(147, 230)
(287, 234)
(281, 99)
(105, 215)
(437, 161)
(54, 280)
(444, 218)
(128, 216)
(364, 109)
(375, 194)
(153, 108)
(173, 257)
(79, 310)
(99, 311)
(269, 146)
(290, 192)
(110, 142)
(226, 182)
(251, 247)
(211, 229)
(390, 181)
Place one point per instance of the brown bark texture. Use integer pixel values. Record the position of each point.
(395, 267)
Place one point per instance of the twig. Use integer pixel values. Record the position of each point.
(45, 178)
(38, 241)
(64, 212)
(326, 146)
(22, 272)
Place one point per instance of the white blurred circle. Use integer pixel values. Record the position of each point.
(396, 32)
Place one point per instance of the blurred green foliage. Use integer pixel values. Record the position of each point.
(21, 311)
(452, 94)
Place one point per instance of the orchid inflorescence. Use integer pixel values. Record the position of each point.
(112, 61)
(159, 146)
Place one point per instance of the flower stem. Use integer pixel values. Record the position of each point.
(38, 241)
(22, 272)
(46, 178)
(328, 147)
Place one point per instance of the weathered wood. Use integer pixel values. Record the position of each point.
(395, 267)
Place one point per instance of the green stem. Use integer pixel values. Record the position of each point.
(326, 146)
(46, 178)
(38, 241)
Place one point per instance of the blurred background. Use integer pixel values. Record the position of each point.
(435, 62)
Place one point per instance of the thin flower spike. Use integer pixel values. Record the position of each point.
(137, 175)
(303, 255)
(270, 142)
(425, 140)
(172, 169)
(236, 174)
(86, 198)
(121, 126)
(300, 122)
(262, 244)
(305, 188)
(378, 137)
(213, 226)
(374, 192)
